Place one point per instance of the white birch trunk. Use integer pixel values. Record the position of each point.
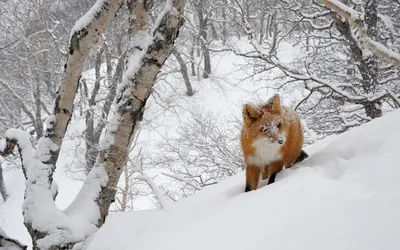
(148, 54)
(356, 22)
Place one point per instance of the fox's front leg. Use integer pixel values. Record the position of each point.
(271, 170)
(252, 177)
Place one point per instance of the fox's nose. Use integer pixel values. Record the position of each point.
(281, 141)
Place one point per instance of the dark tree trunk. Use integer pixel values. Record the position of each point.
(224, 21)
(184, 72)
(367, 64)
(38, 112)
(113, 157)
(91, 149)
(3, 191)
(213, 31)
(192, 59)
(203, 24)
(262, 28)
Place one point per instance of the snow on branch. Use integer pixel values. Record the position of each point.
(356, 21)
(9, 243)
(16, 137)
(158, 193)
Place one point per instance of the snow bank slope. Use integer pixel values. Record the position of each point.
(345, 196)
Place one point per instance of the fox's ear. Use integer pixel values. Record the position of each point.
(275, 103)
(251, 113)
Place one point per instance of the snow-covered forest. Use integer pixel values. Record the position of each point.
(111, 107)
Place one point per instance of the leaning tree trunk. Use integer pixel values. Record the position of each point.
(184, 72)
(133, 92)
(354, 19)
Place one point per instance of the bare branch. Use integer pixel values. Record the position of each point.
(182, 179)
(8, 45)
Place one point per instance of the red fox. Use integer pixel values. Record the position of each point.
(271, 139)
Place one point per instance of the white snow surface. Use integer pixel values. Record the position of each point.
(344, 196)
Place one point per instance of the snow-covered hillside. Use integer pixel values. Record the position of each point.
(345, 196)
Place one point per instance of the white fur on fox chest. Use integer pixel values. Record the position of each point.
(266, 152)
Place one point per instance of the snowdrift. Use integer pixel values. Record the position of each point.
(346, 195)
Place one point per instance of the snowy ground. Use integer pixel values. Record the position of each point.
(345, 196)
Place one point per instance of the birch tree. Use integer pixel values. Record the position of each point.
(49, 227)
(357, 22)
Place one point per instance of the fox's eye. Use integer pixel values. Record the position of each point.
(279, 125)
(265, 130)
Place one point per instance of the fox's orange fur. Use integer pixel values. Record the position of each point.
(271, 139)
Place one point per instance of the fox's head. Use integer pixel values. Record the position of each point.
(265, 123)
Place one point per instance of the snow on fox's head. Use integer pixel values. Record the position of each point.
(265, 121)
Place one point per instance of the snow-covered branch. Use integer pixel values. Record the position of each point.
(356, 21)
(9, 243)
(158, 193)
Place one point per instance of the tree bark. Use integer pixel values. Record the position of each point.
(133, 93)
(91, 144)
(82, 40)
(224, 21)
(192, 59)
(367, 64)
(355, 21)
(184, 72)
(3, 191)
(203, 36)
(38, 109)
